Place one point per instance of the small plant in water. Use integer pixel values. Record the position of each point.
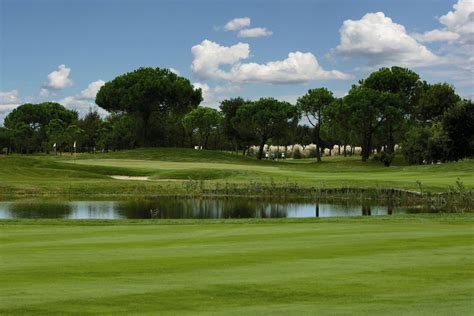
(420, 186)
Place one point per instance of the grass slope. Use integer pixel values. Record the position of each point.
(90, 174)
(420, 265)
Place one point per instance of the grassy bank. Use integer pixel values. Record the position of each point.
(419, 264)
(170, 171)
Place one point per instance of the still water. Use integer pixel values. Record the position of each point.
(174, 208)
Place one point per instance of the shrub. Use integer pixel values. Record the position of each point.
(297, 153)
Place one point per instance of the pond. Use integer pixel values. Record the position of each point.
(193, 208)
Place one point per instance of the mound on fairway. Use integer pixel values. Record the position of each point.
(90, 174)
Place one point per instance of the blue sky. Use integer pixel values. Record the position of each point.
(64, 50)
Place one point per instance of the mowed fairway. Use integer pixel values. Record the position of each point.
(168, 168)
(420, 264)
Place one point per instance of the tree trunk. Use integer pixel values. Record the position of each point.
(318, 153)
(390, 143)
(260, 150)
(206, 139)
(366, 147)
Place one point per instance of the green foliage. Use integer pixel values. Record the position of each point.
(90, 124)
(458, 124)
(448, 139)
(148, 91)
(202, 121)
(312, 105)
(366, 108)
(415, 147)
(266, 118)
(239, 137)
(297, 153)
(119, 132)
(5, 139)
(337, 122)
(29, 122)
(434, 100)
(385, 158)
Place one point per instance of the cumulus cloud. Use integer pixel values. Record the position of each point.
(237, 24)
(458, 32)
(208, 56)
(91, 91)
(296, 68)
(9, 100)
(461, 19)
(176, 71)
(44, 93)
(212, 96)
(254, 32)
(435, 36)
(381, 41)
(458, 25)
(84, 101)
(59, 79)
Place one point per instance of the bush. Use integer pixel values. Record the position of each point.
(312, 153)
(384, 158)
(297, 154)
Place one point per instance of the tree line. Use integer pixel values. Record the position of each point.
(152, 107)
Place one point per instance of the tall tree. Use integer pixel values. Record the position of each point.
(37, 117)
(458, 125)
(229, 110)
(5, 139)
(266, 118)
(55, 131)
(402, 83)
(366, 108)
(202, 121)
(312, 105)
(90, 124)
(337, 123)
(434, 100)
(146, 92)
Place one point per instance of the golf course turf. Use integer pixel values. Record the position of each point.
(169, 168)
(414, 264)
(411, 264)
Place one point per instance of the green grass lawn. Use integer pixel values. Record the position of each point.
(168, 167)
(400, 265)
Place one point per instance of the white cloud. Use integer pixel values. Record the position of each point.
(458, 33)
(44, 93)
(9, 100)
(254, 32)
(237, 24)
(435, 36)
(212, 96)
(8, 97)
(381, 41)
(85, 100)
(176, 71)
(91, 91)
(458, 25)
(59, 79)
(298, 67)
(208, 56)
(461, 19)
(82, 106)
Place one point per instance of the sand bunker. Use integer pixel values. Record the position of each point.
(131, 178)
